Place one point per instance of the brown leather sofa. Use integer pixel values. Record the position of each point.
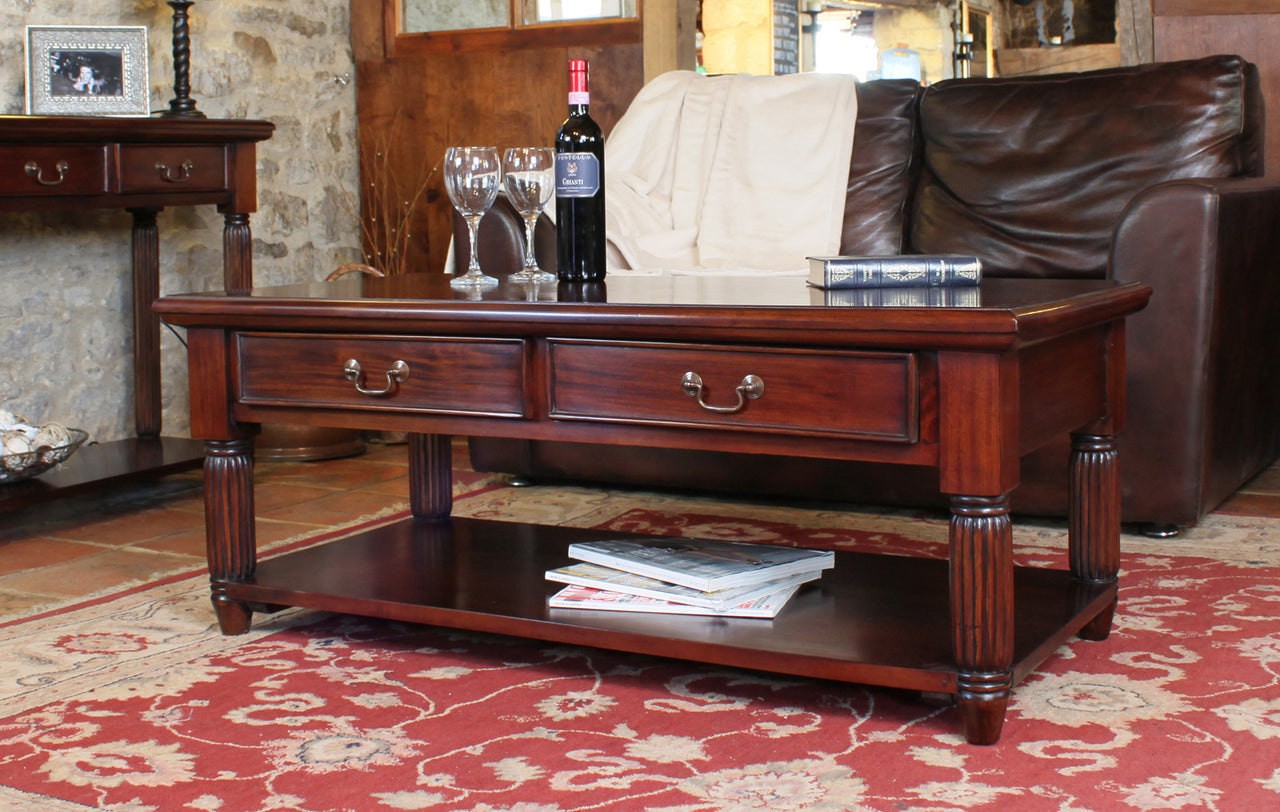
(1148, 173)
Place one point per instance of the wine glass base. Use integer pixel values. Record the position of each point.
(473, 282)
(537, 277)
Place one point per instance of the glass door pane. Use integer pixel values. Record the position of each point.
(450, 15)
(550, 11)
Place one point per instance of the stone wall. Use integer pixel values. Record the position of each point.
(65, 310)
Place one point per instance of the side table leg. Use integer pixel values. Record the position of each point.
(1093, 530)
(146, 324)
(981, 560)
(229, 516)
(431, 475)
(237, 251)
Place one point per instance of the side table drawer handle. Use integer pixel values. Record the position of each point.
(183, 174)
(33, 169)
(398, 373)
(751, 388)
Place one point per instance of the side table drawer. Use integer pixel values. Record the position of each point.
(868, 395)
(178, 168)
(440, 375)
(44, 170)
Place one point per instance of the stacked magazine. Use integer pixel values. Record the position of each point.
(688, 577)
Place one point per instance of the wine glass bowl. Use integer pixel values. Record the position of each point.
(529, 176)
(471, 177)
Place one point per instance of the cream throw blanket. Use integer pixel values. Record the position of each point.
(743, 172)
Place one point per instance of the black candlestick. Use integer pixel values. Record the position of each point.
(182, 104)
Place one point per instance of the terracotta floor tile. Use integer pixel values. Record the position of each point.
(398, 487)
(107, 569)
(188, 542)
(1252, 504)
(352, 472)
(387, 453)
(1266, 482)
(39, 551)
(132, 528)
(21, 603)
(269, 531)
(335, 507)
(276, 495)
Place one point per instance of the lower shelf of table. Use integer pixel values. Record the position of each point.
(100, 465)
(873, 619)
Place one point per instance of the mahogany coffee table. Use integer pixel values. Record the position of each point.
(966, 380)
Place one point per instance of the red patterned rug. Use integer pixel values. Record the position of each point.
(133, 702)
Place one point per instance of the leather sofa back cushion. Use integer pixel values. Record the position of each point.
(1031, 174)
(883, 170)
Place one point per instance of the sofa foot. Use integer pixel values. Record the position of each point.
(1159, 530)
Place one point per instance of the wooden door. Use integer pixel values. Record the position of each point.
(418, 94)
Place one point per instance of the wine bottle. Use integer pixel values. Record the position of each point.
(579, 187)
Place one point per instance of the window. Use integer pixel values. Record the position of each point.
(427, 16)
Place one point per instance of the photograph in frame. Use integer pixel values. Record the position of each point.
(87, 71)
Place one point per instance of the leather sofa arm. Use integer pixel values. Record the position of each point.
(501, 240)
(1201, 357)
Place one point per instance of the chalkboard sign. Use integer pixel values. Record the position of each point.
(786, 36)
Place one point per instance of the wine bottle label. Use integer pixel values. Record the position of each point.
(577, 174)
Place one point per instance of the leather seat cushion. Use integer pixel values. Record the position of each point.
(884, 168)
(1032, 173)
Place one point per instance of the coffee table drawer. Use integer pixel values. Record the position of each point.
(438, 375)
(872, 395)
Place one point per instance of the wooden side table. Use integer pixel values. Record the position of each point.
(141, 165)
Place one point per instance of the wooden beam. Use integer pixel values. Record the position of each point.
(669, 29)
(1211, 8)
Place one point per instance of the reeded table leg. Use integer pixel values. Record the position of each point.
(229, 531)
(146, 324)
(1093, 530)
(237, 251)
(981, 560)
(431, 475)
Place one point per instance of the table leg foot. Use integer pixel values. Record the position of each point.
(1100, 627)
(234, 617)
(982, 702)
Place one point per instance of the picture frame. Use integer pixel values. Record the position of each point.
(87, 71)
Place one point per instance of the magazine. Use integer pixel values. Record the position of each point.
(584, 597)
(608, 578)
(703, 565)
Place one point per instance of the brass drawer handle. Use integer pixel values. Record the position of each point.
(751, 388)
(34, 170)
(398, 373)
(183, 175)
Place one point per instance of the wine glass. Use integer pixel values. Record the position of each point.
(529, 176)
(471, 176)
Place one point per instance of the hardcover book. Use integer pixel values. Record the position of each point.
(907, 270)
(703, 565)
(595, 576)
(583, 597)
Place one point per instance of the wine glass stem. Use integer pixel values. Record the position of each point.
(530, 223)
(473, 230)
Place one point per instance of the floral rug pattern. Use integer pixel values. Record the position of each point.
(135, 703)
